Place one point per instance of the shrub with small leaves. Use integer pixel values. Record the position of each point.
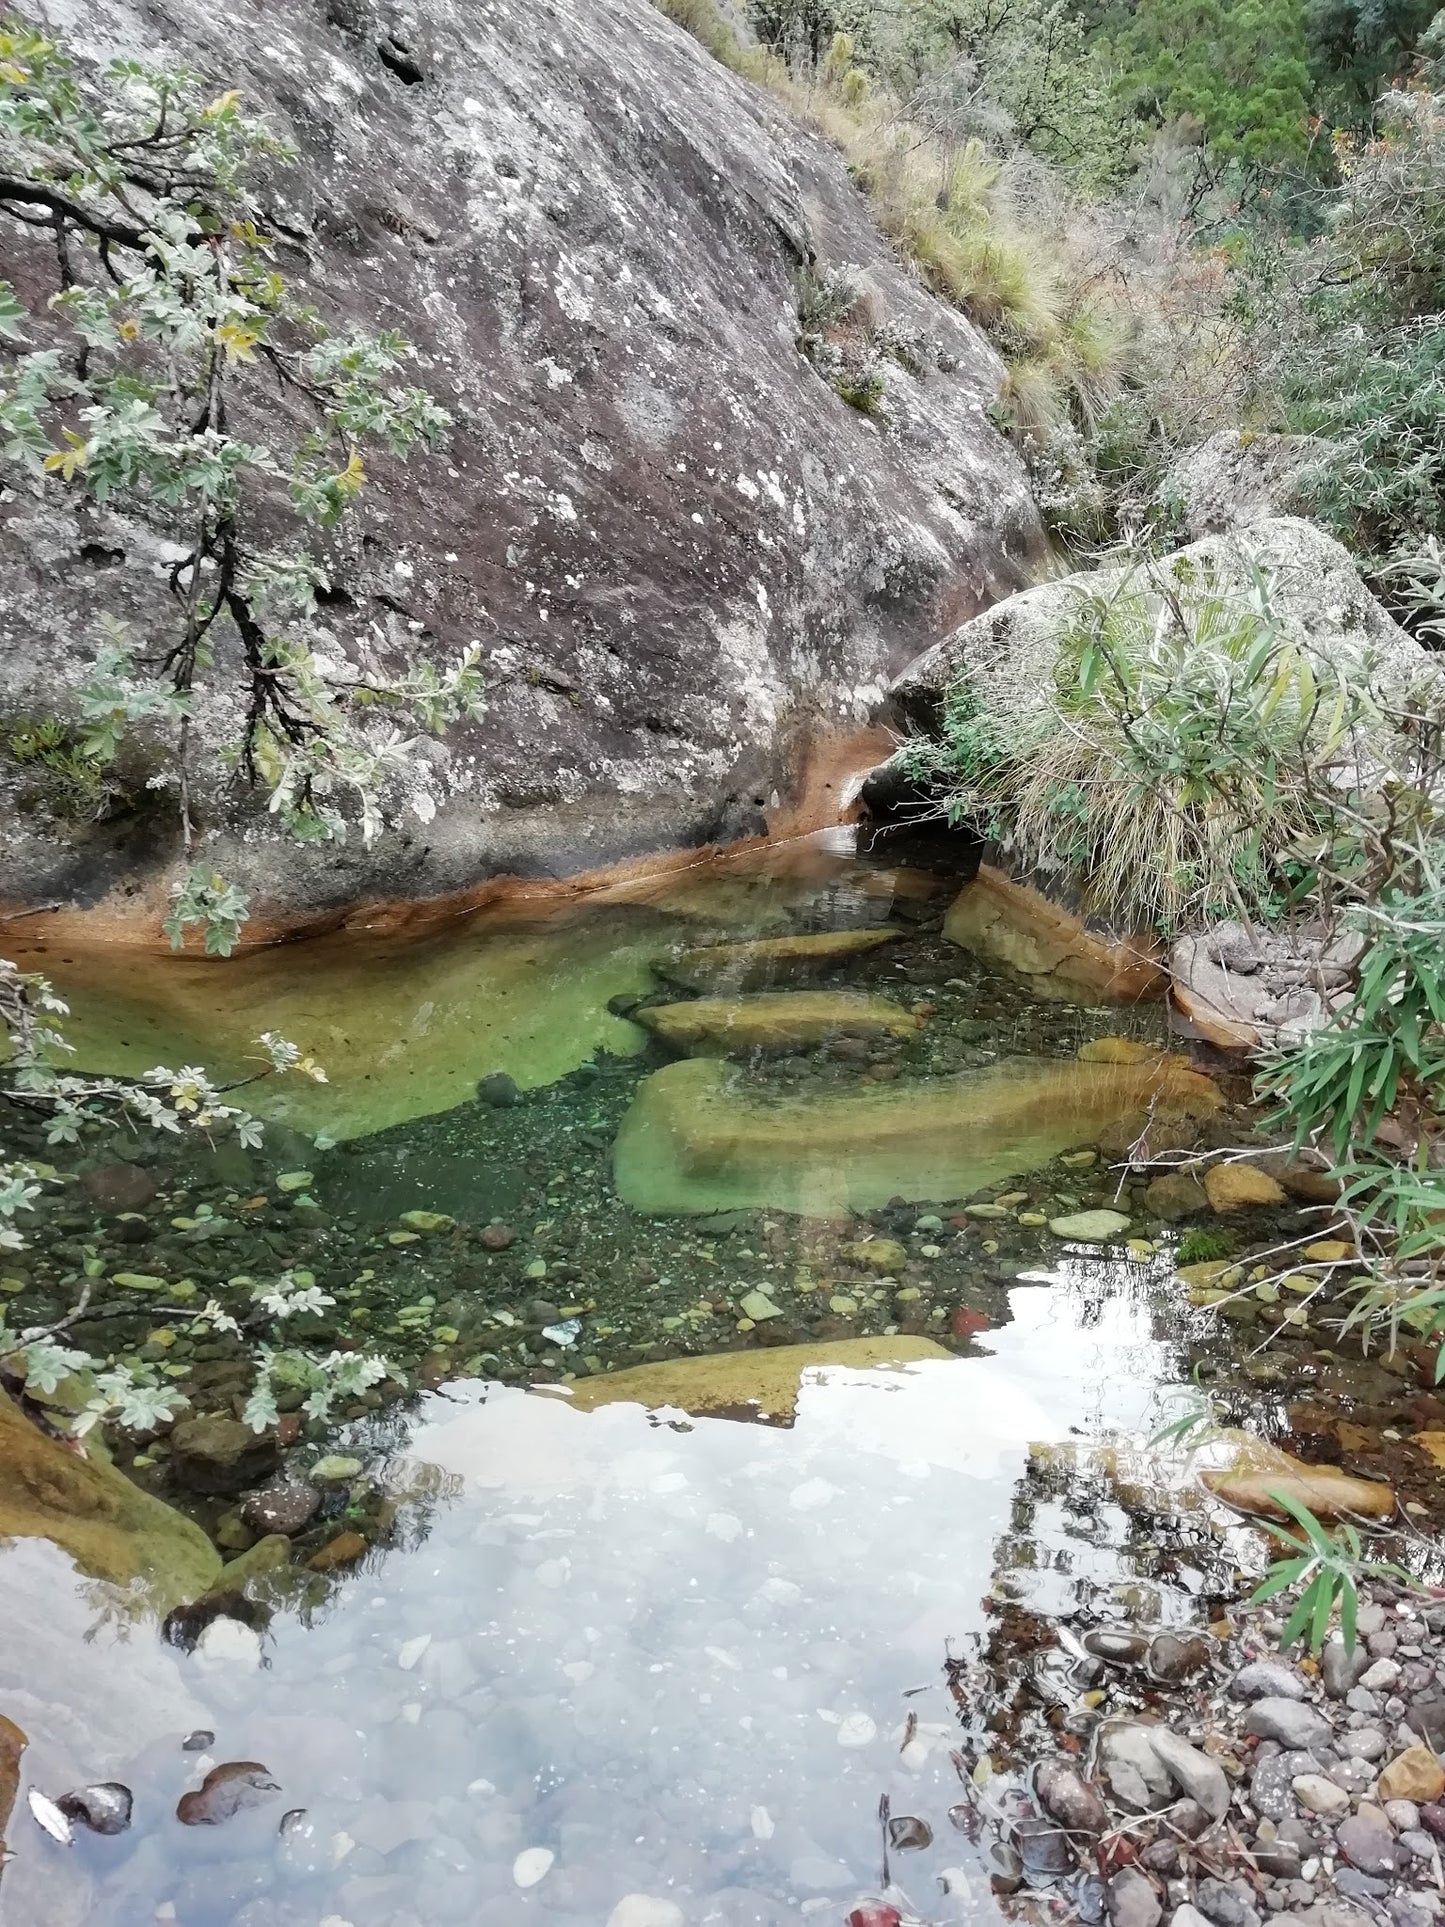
(173, 374)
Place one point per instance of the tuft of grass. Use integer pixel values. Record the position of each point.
(1204, 1247)
(1179, 770)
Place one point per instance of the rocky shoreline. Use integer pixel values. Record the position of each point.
(1209, 1779)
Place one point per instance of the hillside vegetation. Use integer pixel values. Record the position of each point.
(1173, 220)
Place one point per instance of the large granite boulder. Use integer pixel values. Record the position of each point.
(1237, 477)
(683, 552)
(1011, 650)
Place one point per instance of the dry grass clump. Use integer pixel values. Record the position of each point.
(951, 211)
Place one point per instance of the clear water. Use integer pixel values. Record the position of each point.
(615, 1666)
(678, 1655)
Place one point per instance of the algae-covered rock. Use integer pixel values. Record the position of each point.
(428, 1221)
(883, 1255)
(693, 1142)
(769, 960)
(109, 1526)
(1240, 1187)
(783, 1021)
(761, 1382)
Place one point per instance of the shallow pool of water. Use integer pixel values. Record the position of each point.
(633, 1654)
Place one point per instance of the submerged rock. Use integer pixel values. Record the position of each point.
(769, 960)
(220, 1455)
(1065, 1794)
(1012, 924)
(752, 1383)
(118, 1187)
(229, 1789)
(287, 1504)
(109, 1527)
(693, 1142)
(1260, 1470)
(783, 1021)
(104, 1808)
(1090, 1227)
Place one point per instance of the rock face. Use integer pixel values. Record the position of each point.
(1236, 478)
(1011, 651)
(1012, 924)
(681, 549)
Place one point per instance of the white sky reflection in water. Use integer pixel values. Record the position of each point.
(674, 1659)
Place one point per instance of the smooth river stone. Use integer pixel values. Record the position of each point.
(781, 1020)
(694, 1143)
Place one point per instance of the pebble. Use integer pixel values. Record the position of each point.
(1356, 1885)
(1266, 1679)
(1427, 1717)
(1414, 1775)
(1383, 1676)
(1227, 1902)
(1366, 1743)
(645, 1910)
(1132, 1901)
(1187, 1916)
(1136, 1775)
(285, 1504)
(1320, 1795)
(532, 1865)
(335, 1468)
(1271, 1789)
(499, 1091)
(1065, 1794)
(1288, 1721)
(229, 1642)
(1340, 1669)
(1366, 1841)
(1193, 1772)
(1005, 1867)
(1116, 1644)
(1278, 1858)
(1090, 1227)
